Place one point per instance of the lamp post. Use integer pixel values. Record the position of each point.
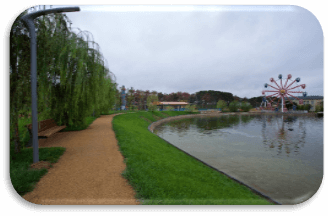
(28, 21)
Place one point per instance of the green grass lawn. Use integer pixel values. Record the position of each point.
(162, 174)
(22, 177)
(159, 173)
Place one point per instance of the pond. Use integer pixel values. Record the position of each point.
(278, 155)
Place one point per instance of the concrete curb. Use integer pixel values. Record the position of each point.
(159, 122)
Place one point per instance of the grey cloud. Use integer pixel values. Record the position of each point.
(234, 51)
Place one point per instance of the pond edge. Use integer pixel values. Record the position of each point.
(159, 122)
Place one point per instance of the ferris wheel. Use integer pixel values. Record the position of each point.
(278, 94)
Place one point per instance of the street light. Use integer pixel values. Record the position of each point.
(28, 21)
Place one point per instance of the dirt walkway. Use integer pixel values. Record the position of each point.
(89, 172)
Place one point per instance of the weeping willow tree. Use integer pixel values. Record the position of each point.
(85, 83)
(19, 77)
(73, 79)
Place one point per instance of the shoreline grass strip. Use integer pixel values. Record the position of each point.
(163, 175)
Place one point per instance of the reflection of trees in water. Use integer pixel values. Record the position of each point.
(283, 134)
(180, 126)
(204, 124)
(302, 134)
(213, 123)
(245, 119)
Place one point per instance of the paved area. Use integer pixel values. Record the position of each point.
(88, 173)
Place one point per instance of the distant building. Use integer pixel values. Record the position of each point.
(312, 100)
(176, 105)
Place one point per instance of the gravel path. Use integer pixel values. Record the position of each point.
(88, 173)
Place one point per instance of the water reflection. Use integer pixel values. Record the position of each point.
(281, 155)
(284, 134)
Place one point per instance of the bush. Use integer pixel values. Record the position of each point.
(133, 108)
(169, 108)
(234, 106)
(152, 107)
(307, 107)
(319, 108)
(304, 107)
(221, 105)
(245, 106)
(152, 102)
(191, 108)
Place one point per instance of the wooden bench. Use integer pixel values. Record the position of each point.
(45, 129)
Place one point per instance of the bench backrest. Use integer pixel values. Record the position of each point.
(44, 125)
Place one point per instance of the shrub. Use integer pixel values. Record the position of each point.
(221, 105)
(133, 107)
(152, 107)
(151, 102)
(234, 106)
(187, 108)
(169, 108)
(307, 107)
(245, 106)
(191, 108)
(304, 107)
(319, 108)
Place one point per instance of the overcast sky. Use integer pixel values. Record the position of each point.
(191, 48)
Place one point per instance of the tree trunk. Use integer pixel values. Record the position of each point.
(16, 135)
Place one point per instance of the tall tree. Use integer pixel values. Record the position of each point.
(152, 100)
(73, 79)
(185, 96)
(138, 95)
(144, 99)
(236, 98)
(19, 77)
(160, 96)
(192, 98)
(130, 97)
(207, 98)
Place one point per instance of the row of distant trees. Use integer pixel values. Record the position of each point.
(137, 99)
(73, 80)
